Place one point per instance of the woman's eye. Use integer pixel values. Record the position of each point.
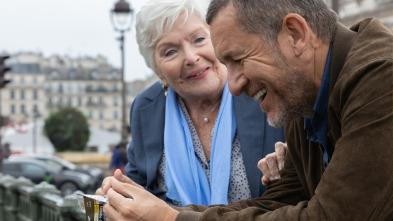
(200, 39)
(169, 53)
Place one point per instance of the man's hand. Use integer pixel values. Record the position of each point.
(130, 201)
(273, 163)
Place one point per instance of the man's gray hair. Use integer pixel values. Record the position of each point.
(264, 17)
(157, 17)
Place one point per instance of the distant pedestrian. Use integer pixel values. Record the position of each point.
(119, 158)
(5, 151)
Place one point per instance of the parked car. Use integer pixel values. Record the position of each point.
(97, 175)
(67, 181)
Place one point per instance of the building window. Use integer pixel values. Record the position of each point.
(35, 108)
(100, 100)
(73, 75)
(34, 81)
(60, 102)
(70, 101)
(115, 102)
(101, 115)
(12, 109)
(79, 101)
(22, 94)
(93, 75)
(22, 108)
(90, 114)
(115, 88)
(115, 115)
(54, 75)
(35, 95)
(22, 80)
(12, 94)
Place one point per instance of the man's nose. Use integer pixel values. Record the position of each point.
(236, 81)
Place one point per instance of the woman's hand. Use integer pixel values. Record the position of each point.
(130, 201)
(273, 163)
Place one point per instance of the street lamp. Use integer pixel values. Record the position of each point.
(36, 115)
(122, 17)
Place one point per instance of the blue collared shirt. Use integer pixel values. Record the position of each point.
(316, 126)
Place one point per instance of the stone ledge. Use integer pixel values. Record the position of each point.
(85, 157)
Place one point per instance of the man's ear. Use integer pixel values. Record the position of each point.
(295, 26)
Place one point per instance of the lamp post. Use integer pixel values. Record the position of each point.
(122, 17)
(36, 115)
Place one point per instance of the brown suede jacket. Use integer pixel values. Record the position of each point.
(358, 182)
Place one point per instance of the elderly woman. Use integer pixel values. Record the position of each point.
(192, 141)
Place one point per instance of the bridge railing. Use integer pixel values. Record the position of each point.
(21, 200)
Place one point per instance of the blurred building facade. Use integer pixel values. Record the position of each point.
(42, 85)
(351, 11)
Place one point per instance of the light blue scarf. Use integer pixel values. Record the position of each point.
(185, 178)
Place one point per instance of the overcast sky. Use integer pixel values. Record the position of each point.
(68, 27)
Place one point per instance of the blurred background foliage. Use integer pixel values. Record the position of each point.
(67, 129)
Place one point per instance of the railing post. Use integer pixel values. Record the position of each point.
(11, 193)
(41, 209)
(3, 180)
(70, 209)
(24, 205)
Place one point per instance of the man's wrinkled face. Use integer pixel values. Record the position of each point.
(259, 71)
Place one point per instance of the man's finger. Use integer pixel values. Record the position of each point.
(110, 212)
(122, 178)
(119, 201)
(273, 167)
(265, 181)
(106, 184)
(99, 191)
(264, 168)
(280, 150)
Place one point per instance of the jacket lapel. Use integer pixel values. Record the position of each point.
(250, 126)
(153, 118)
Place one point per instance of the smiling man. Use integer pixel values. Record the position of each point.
(332, 89)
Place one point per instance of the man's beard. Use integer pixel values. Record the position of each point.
(299, 102)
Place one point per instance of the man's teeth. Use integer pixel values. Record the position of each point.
(260, 94)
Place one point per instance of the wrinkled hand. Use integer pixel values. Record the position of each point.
(273, 163)
(130, 201)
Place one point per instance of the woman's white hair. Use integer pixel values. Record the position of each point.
(157, 17)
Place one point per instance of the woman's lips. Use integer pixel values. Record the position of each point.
(198, 73)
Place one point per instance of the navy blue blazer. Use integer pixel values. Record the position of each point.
(147, 116)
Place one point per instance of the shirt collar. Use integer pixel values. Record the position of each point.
(321, 103)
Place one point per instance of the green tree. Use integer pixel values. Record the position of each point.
(67, 129)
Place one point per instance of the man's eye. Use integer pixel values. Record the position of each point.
(169, 53)
(240, 61)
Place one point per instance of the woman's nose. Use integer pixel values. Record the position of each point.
(191, 56)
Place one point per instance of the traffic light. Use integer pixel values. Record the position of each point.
(3, 69)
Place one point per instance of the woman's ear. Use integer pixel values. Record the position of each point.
(162, 78)
(295, 28)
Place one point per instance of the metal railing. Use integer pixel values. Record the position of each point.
(21, 200)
